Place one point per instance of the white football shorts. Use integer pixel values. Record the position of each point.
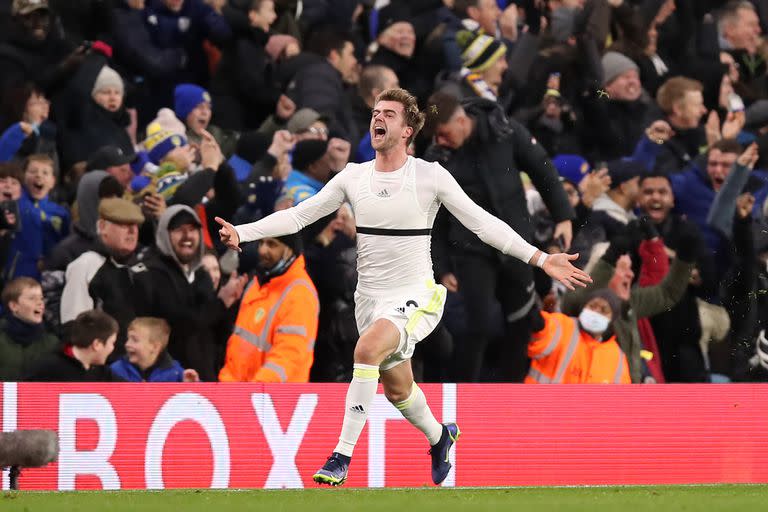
(414, 312)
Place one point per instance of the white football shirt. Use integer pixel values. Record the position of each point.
(394, 212)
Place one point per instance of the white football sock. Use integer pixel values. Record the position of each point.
(416, 410)
(361, 391)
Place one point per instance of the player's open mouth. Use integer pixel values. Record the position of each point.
(379, 132)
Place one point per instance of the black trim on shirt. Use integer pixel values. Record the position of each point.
(394, 232)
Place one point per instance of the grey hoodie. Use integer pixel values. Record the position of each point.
(610, 207)
(88, 201)
(163, 238)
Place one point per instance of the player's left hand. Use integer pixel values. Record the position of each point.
(558, 266)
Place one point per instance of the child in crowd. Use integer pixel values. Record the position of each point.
(41, 224)
(23, 338)
(170, 156)
(90, 340)
(193, 106)
(146, 358)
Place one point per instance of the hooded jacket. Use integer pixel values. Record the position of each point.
(185, 299)
(488, 167)
(96, 280)
(83, 236)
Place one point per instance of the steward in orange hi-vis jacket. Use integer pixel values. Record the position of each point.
(579, 350)
(276, 326)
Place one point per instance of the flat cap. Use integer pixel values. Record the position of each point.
(120, 211)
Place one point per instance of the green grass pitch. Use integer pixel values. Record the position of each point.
(594, 499)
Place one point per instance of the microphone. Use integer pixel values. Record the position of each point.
(27, 449)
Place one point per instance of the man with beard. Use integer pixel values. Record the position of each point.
(100, 278)
(173, 284)
(397, 303)
(678, 330)
(276, 325)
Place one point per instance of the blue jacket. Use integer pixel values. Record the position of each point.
(133, 46)
(11, 141)
(166, 369)
(42, 225)
(694, 196)
(187, 29)
(365, 151)
(646, 152)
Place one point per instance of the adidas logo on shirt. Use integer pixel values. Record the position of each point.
(358, 409)
(383, 193)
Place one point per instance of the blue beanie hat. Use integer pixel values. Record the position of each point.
(572, 168)
(186, 97)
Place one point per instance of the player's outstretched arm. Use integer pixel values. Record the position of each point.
(291, 220)
(500, 235)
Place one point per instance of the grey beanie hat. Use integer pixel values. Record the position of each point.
(615, 64)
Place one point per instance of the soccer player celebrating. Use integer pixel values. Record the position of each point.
(395, 199)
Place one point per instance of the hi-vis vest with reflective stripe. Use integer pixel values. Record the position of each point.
(561, 353)
(275, 330)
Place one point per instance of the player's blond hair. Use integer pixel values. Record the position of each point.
(413, 116)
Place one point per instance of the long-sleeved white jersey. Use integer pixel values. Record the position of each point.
(394, 212)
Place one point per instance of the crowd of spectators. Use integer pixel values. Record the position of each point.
(634, 132)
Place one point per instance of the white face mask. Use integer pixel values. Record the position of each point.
(593, 322)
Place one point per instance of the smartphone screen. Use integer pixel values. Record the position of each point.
(735, 103)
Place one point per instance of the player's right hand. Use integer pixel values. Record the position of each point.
(228, 235)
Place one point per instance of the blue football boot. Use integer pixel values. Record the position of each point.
(439, 452)
(334, 471)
